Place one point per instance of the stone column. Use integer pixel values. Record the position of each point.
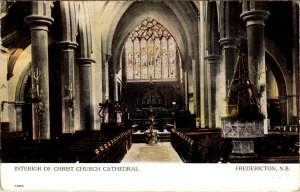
(39, 22)
(111, 80)
(202, 24)
(213, 68)
(229, 27)
(105, 77)
(256, 52)
(186, 89)
(67, 85)
(196, 88)
(190, 85)
(229, 45)
(19, 112)
(86, 102)
(298, 72)
(296, 79)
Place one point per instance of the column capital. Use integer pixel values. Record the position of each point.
(39, 22)
(229, 42)
(67, 45)
(85, 61)
(213, 59)
(255, 17)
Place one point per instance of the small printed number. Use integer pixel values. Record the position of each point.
(19, 185)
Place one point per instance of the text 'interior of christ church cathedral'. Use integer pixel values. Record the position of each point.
(119, 81)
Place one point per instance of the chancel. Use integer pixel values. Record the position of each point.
(149, 81)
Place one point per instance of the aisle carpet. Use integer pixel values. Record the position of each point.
(160, 152)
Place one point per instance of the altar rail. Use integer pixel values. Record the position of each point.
(285, 128)
(195, 146)
(114, 150)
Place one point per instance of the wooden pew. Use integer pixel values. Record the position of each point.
(115, 149)
(199, 146)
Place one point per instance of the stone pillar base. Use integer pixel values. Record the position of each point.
(242, 148)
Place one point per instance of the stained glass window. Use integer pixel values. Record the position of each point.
(137, 63)
(144, 68)
(157, 56)
(151, 53)
(172, 57)
(129, 58)
(164, 57)
(150, 59)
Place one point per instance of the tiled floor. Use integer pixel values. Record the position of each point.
(160, 152)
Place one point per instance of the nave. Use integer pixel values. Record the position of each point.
(188, 145)
(81, 81)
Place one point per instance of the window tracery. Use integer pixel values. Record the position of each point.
(151, 53)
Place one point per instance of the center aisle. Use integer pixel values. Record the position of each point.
(160, 152)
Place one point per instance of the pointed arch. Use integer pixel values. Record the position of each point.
(84, 24)
(212, 31)
(69, 20)
(157, 62)
(152, 98)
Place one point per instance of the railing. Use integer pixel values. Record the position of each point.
(285, 128)
(183, 145)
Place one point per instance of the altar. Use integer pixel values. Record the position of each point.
(161, 119)
(151, 125)
(140, 136)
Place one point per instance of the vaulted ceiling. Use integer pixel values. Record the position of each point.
(120, 18)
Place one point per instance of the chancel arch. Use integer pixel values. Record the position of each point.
(178, 23)
(151, 66)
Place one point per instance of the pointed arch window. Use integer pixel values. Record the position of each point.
(151, 53)
(152, 98)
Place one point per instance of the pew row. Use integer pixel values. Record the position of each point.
(208, 146)
(114, 150)
(200, 146)
(68, 148)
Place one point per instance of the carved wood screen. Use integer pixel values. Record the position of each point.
(152, 98)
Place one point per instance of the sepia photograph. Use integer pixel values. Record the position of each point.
(150, 95)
